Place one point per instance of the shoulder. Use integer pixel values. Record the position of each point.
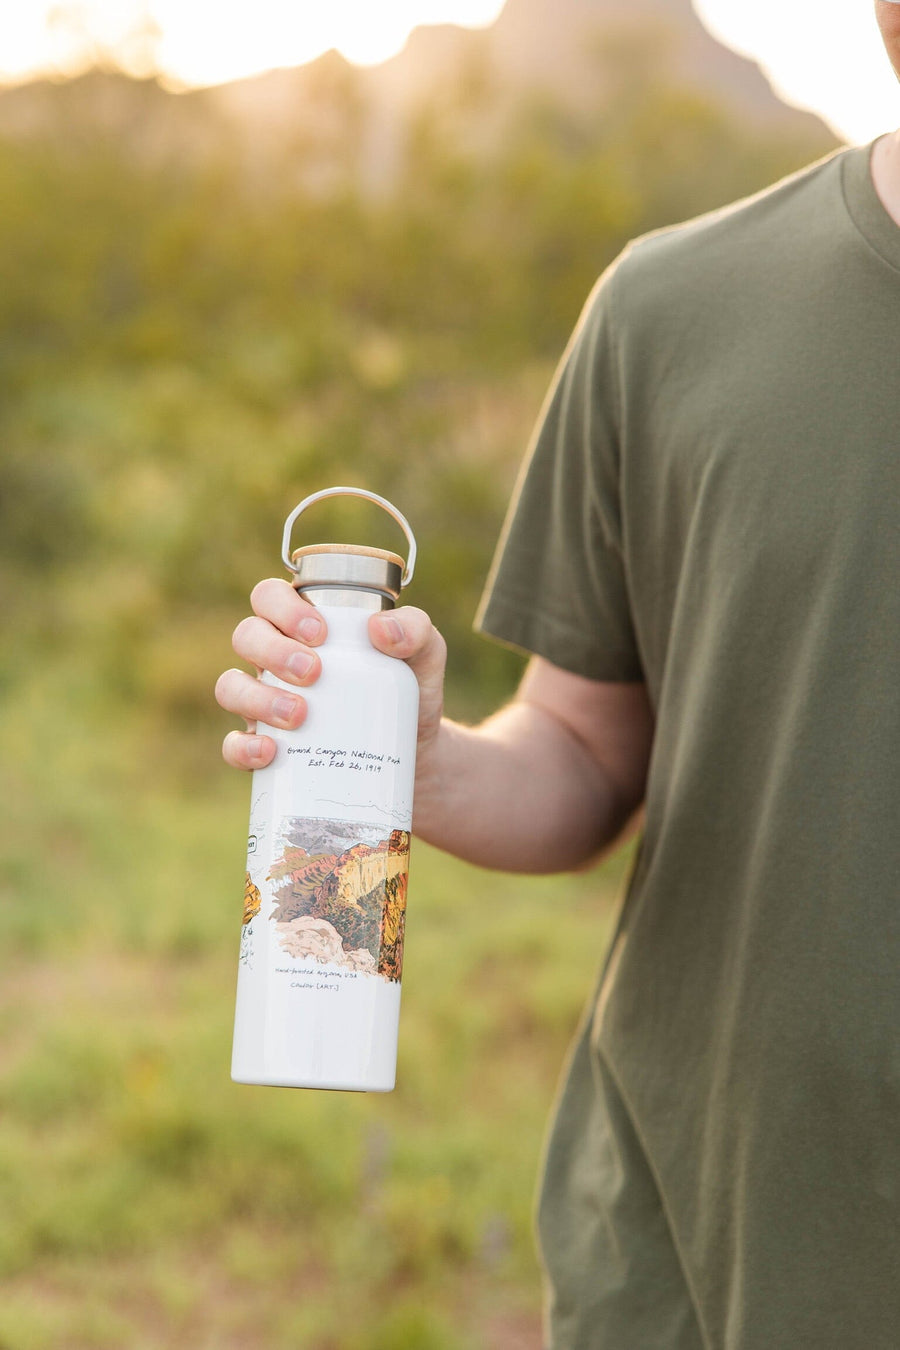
(733, 245)
(677, 297)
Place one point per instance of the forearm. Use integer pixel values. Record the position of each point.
(519, 793)
(543, 786)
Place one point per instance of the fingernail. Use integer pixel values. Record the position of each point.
(284, 708)
(255, 747)
(309, 629)
(300, 664)
(392, 630)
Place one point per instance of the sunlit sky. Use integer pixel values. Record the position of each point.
(821, 54)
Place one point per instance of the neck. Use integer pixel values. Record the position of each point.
(886, 173)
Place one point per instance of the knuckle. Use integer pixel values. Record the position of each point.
(231, 749)
(423, 632)
(264, 594)
(224, 685)
(416, 624)
(439, 642)
(242, 633)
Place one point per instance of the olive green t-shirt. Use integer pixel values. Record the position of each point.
(712, 506)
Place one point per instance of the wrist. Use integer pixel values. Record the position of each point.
(436, 782)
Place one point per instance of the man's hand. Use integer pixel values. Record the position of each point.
(284, 636)
(544, 785)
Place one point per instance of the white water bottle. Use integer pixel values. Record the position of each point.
(318, 995)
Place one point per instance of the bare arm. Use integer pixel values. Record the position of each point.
(544, 785)
(547, 783)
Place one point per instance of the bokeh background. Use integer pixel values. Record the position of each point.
(213, 302)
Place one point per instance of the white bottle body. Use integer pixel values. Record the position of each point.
(318, 995)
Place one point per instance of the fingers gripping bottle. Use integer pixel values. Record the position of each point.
(318, 995)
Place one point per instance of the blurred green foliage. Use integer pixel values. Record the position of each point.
(189, 347)
(189, 343)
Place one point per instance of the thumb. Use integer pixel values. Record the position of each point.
(408, 634)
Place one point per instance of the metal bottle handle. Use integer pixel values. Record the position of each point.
(351, 492)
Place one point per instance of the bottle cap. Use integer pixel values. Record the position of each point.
(353, 565)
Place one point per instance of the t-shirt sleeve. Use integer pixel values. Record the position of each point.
(558, 585)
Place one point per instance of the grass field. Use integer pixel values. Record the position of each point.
(145, 1200)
